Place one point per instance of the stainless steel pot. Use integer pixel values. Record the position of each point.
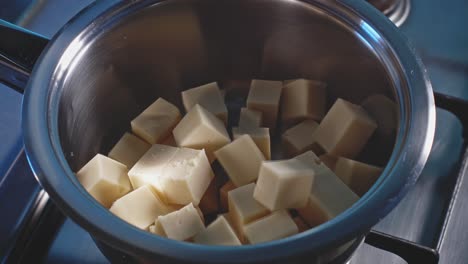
(113, 59)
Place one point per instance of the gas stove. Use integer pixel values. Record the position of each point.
(428, 226)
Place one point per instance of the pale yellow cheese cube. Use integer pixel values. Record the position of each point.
(300, 138)
(315, 212)
(303, 99)
(156, 122)
(129, 150)
(105, 179)
(223, 195)
(260, 135)
(329, 161)
(345, 129)
(149, 168)
(277, 225)
(357, 175)
(200, 129)
(241, 160)
(185, 178)
(156, 229)
(139, 207)
(329, 195)
(264, 96)
(250, 118)
(182, 224)
(283, 184)
(385, 113)
(301, 225)
(209, 202)
(243, 208)
(219, 232)
(209, 97)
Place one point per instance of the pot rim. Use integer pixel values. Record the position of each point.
(413, 143)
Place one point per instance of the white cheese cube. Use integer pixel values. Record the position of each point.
(384, 111)
(357, 175)
(243, 208)
(345, 129)
(223, 195)
(200, 129)
(182, 224)
(105, 179)
(186, 177)
(264, 96)
(209, 97)
(301, 225)
(303, 99)
(156, 122)
(241, 168)
(209, 202)
(277, 225)
(148, 170)
(329, 195)
(300, 138)
(219, 232)
(250, 118)
(139, 207)
(260, 135)
(283, 184)
(129, 150)
(179, 175)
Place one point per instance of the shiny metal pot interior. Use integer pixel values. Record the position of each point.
(113, 60)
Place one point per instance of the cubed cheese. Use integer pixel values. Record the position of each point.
(179, 175)
(329, 195)
(260, 135)
(209, 97)
(156, 122)
(264, 96)
(148, 169)
(209, 202)
(223, 195)
(345, 129)
(277, 225)
(241, 160)
(182, 224)
(357, 175)
(243, 208)
(303, 99)
(139, 207)
(200, 129)
(301, 225)
(186, 177)
(384, 111)
(105, 179)
(250, 118)
(300, 138)
(219, 232)
(129, 150)
(156, 229)
(329, 161)
(283, 184)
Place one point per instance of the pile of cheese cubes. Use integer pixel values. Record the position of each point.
(162, 179)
